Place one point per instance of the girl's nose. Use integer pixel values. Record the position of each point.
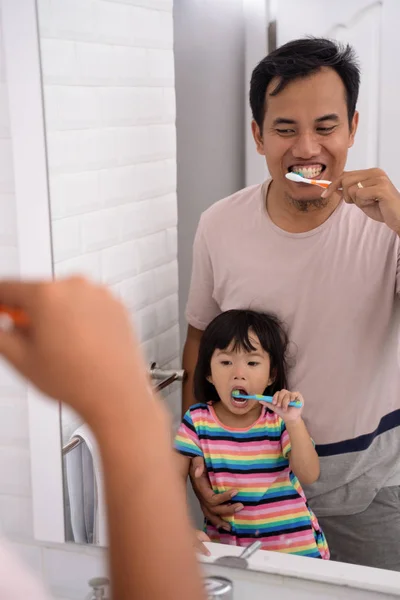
(238, 374)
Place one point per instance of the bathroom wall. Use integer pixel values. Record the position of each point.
(112, 181)
(108, 76)
(210, 97)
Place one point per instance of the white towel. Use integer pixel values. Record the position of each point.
(86, 490)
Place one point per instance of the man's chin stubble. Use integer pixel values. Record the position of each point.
(307, 205)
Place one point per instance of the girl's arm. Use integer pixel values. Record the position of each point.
(183, 464)
(303, 458)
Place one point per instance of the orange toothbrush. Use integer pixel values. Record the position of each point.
(324, 183)
(17, 315)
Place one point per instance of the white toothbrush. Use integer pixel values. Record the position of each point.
(299, 179)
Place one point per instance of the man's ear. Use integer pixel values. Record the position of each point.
(353, 129)
(257, 135)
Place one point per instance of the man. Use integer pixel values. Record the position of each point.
(79, 349)
(328, 268)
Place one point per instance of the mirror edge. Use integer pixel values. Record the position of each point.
(22, 63)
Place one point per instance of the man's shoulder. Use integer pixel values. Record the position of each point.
(235, 205)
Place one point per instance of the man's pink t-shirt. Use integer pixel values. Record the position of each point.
(335, 288)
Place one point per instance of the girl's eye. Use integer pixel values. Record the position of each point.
(225, 362)
(253, 363)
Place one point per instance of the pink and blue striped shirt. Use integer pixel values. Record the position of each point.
(255, 462)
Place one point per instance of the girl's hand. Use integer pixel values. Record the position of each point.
(199, 538)
(280, 405)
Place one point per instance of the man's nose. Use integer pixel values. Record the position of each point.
(306, 146)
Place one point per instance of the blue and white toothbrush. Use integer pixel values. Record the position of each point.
(260, 397)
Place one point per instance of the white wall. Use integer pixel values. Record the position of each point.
(112, 180)
(108, 76)
(256, 14)
(209, 64)
(15, 505)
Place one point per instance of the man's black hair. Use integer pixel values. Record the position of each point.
(301, 58)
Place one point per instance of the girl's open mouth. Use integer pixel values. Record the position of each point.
(239, 402)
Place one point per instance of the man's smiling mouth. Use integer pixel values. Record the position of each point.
(310, 171)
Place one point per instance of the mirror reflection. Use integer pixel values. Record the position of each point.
(287, 306)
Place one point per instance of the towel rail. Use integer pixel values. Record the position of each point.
(167, 377)
(71, 445)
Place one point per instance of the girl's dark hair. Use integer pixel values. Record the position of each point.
(300, 58)
(235, 326)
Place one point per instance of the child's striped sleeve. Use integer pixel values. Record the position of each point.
(186, 440)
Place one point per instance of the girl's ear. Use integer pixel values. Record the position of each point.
(209, 379)
(272, 377)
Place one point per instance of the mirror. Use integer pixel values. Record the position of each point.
(110, 109)
(110, 128)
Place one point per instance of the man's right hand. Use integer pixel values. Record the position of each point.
(214, 506)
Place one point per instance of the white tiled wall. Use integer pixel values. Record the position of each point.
(108, 77)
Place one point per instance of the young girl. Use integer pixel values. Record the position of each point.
(262, 450)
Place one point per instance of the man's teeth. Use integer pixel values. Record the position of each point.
(309, 172)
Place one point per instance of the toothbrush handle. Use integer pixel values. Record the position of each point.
(296, 404)
(269, 399)
(19, 318)
(324, 183)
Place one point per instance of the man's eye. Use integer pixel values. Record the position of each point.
(325, 130)
(285, 131)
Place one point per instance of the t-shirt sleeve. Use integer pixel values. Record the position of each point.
(186, 440)
(285, 441)
(398, 272)
(201, 307)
